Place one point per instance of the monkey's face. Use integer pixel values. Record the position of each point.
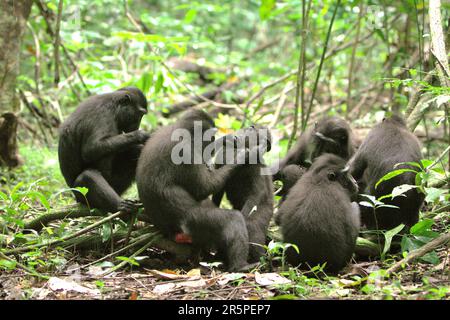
(331, 137)
(131, 107)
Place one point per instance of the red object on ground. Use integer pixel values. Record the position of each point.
(183, 238)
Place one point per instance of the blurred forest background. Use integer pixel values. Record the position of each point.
(282, 64)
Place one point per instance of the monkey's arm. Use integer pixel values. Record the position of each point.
(99, 148)
(211, 181)
(357, 165)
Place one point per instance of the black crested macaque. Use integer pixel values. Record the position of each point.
(387, 144)
(319, 216)
(249, 190)
(329, 135)
(172, 190)
(99, 146)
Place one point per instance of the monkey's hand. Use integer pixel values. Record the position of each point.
(141, 136)
(129, 206)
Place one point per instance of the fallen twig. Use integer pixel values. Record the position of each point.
(413, 255)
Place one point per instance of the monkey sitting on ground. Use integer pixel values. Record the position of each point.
(387, 144)
(99, 146)
(172, 189)
(319, 216)
(329, 135)
(250, 191)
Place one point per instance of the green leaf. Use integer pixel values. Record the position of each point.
(400, 190)
(433, 194)
(366, 204)
(190, 16)
(106, 232)
(420, 227)
(145, 82)
(266, 8)
(129, 260)
(40, 197)
(159, 83)
(426, 163)
(431, 257)
(82, 190)
(388, 235)
(7, 264)
(393, 174)
(3, 196)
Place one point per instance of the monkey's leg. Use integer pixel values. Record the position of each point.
(124, 168)
(223, 229)
(100, 195)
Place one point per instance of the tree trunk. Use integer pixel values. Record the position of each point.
(13, 17)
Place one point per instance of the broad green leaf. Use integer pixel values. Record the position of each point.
(366, 204)
(82, 190)
(145, 82)
(426, 163)
(393, 174)
(40, 197)
(421, 226)
(266, 8)
(431, 257)
(7, 264)
(400, 190)
(388, 235)
(433, 194)
(190, 16)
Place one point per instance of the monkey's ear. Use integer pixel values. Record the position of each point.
(331, 176)
(125, 98)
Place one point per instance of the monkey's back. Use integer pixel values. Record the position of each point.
(161, 183)
(321, 221)
(387, 145)
(78, 128)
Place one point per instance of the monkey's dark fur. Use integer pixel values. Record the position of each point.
(289, 175)
(99, 146)
(172, 195)
(329, 135)
(251, 192)
(319, 217)
(388, 143)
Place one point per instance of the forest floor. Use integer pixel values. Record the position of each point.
(151, 281)
(154, 275)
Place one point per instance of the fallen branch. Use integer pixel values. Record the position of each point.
(189, 66)
(78, 211)
(195, 100)
(72, 211)
(413, 255)
(63, 239)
